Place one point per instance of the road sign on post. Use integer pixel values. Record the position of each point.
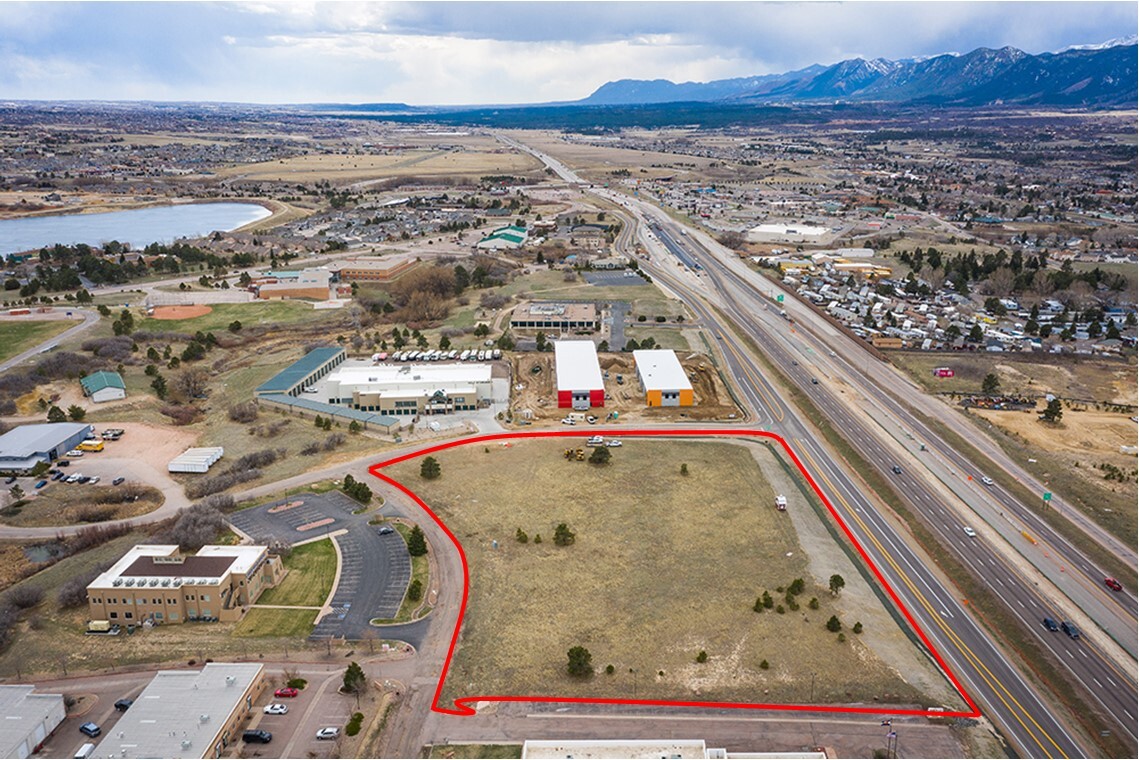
(1047, 498)
(779, 298)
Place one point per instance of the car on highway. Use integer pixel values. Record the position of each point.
(123, 705)
(285, 693)
(897, 470)
(256, 736)
(1113, 584)
(1070, 628)
(1050, 624)
(386, 530)
(328, 732)
(814, 381)
(276, 709)
(969, 532)
(986, 480)
(90, 729)
(117, 481)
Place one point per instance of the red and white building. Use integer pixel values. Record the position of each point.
(579, 375)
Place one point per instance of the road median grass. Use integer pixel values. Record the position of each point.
(312, 570)
(411, 609)
(994, 616)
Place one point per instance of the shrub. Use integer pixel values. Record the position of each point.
(23, 597)
(94, 514)
(181, 414)
(218, 483)
(520, 536)
(834, 625)
(600, 455)
(563, 536)
(814, 603)
(416, 542)
(429, 469)
(779, 609)
(759, 604)
(763, 665)
(244, 412)
(296, 683)
(609, 670)
(73, 592)
(197, 526)
(354, 724)
(580, 662)
(796, 587)
(415, 590)
(857, 628)
(702, 657)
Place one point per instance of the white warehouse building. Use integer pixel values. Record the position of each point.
(410, 389)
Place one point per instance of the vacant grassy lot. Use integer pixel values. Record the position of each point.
(261, 623)
(664, 565)
(61, 503)
(473, 751)
(16, 337)
(1082, 377)
(312, 569)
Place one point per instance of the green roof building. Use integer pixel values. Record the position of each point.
(103, 386)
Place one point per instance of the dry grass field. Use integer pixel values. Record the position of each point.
(341, 168)
(1102, 380)
(74, 504)
(664, 565)
(17, 336)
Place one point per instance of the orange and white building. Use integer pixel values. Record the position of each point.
(663, 378)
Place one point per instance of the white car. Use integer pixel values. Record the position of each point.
(276, 709)
(75, 453)
(969, 532)
(569, 421)
(328, 732)
(94, 479)
(74, 478)
(987, 481)
(614, 443)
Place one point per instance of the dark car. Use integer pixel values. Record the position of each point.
(91, 729)
(63, 463)
(814, 381)
(897, 470)
(9, 480)
(385, 530)
(1069, 628)
(123, 704)
(1113, 584)
(41, 484)
(117, 481)
(1050, 624)
(257, 736)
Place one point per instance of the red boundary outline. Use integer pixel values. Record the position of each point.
(461, 704)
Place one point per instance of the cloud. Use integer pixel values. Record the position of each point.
(458, 53)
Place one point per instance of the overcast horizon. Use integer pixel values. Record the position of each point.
(442, 53)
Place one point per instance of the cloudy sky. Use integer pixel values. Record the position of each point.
(472, 52)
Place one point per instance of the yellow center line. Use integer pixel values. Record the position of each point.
(979, 667)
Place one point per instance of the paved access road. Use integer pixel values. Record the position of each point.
(89, 319)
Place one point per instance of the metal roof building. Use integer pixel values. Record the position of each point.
(26, 719)
(312, 366)
(103, 386)
(579, 374)
(24, 447)
(663, 378)
(187, 713)
(197, 460)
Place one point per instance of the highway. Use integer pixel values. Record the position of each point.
(1030, 724)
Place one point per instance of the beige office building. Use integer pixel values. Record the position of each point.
(157, 583)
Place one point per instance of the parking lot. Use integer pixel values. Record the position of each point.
(374, 571)
(610, 279)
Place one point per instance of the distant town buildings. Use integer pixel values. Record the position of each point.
(372, 269)
(158, 584)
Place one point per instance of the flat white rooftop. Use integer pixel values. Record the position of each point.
(409, 375)
(179, 714)
(576, 365)
(780, 230)
(659, 369)
(161, 566)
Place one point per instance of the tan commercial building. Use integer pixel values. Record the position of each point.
(554, 316)
(379, 269)
(157, 583)
(188, 713)
(307, 283)
(411, 389)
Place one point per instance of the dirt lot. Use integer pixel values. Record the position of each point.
(539, 394)
(658, 572)
(1103, 380)
(1073, 454)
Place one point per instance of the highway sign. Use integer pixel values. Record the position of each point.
(779, 298)
(1047, 496)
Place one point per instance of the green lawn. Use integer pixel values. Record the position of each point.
(312, 570)
(256, 313)
(260, 622)
(16, 337)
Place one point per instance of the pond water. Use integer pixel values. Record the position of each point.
(139, 227)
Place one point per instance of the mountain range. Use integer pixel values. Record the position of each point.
(1100, 76)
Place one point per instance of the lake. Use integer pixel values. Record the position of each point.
(139, 227)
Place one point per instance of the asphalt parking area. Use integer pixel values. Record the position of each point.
(374, 569)
(611, 279)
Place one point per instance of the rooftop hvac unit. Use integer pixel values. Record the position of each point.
(185, 744)
(117, 582)
(204, 718)
(230, 680)
(165, 582)
(153, 582)
(130, 582)
(177, 582)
